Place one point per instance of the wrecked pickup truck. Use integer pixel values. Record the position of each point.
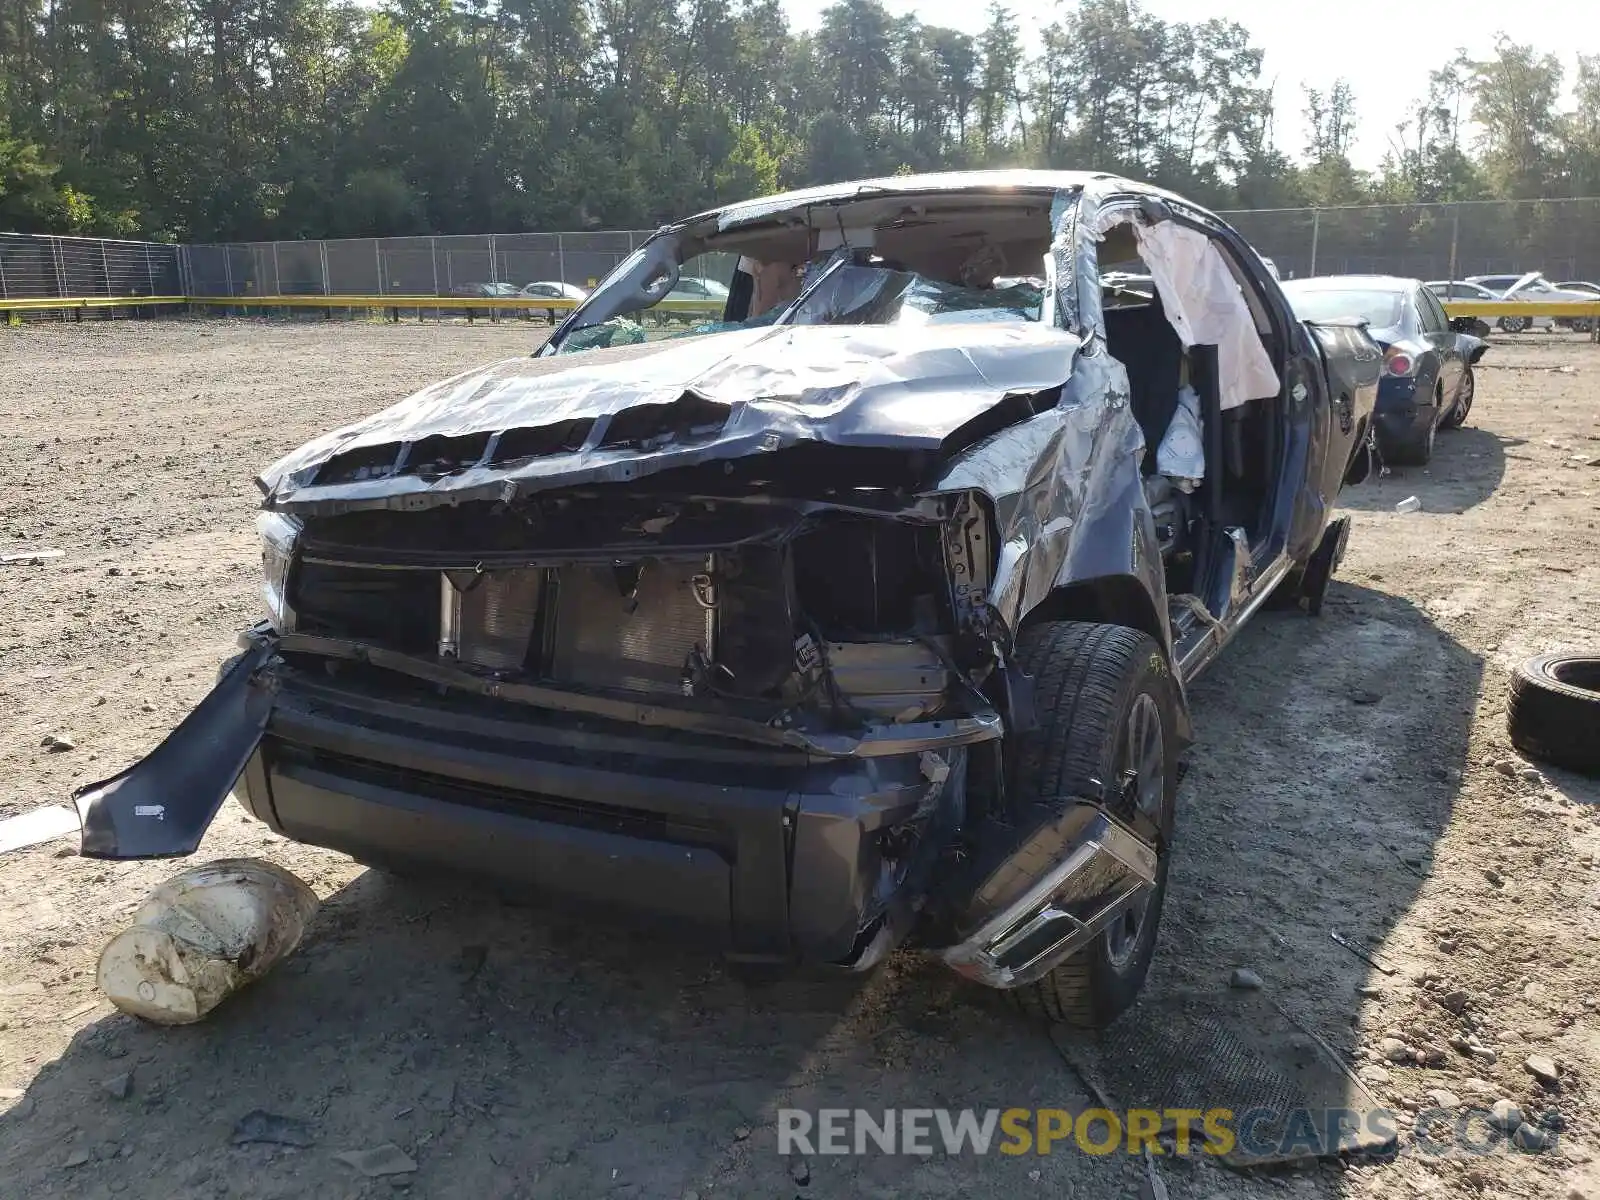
(857, 614)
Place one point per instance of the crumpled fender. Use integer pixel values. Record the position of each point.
(162, 805)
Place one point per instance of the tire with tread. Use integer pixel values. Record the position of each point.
(1553, 711)
(1457, 416)
(1417, 450)
(1086, 680)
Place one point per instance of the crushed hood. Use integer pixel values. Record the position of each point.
(612, 415)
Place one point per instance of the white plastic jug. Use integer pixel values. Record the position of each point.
(201, 936)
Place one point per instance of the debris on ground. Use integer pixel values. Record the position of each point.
(1531, 1138)
(28, 558)
(1244, 978)
(201, 936)
(119, 1087)
(58, 743)
(1409, 505)
(33, 828)
(1396, 1051)
(1152, 1186)
(258, 1125)
(1542, 1068)
(1361, 952)
(378, 1162)
(1505, 1115)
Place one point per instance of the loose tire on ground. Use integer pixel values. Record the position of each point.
(1097, 689)
(1553, 713)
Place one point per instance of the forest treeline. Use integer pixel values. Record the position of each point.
(248, 119)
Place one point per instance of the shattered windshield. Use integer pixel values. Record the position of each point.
(880, 295)
(844, 289)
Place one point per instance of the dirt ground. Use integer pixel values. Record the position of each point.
(1345, 777)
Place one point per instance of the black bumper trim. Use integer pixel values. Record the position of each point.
(162, 805)
(788, 843)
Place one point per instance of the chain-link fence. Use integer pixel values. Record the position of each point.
(1428, 241)
(41, 268)
(1560, 238)
(447, 265)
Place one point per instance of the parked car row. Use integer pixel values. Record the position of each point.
(1531, 287)
(539, 289)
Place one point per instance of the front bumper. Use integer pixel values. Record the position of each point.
(776, 854)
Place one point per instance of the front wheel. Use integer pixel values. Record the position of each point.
(1514, 324)
(1457, 416)
(1107, 705)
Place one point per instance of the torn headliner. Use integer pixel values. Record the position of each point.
(867, 386)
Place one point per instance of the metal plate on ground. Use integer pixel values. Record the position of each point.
(1289, 1097)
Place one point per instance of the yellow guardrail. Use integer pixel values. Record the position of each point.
(393, 303)
(51, 303)
(1572, 310)
(552, 303)
(1522, 308)
(413, 303)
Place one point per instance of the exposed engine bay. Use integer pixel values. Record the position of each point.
(801, 615)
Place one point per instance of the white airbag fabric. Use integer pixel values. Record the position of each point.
(1206, 308)
(1182, 453)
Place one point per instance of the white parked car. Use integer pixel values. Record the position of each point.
(1534, 288)
(1459, 289)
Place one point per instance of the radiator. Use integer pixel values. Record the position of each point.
(497, 619)
(606, 638)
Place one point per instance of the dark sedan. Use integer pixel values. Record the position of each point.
(1428, 381)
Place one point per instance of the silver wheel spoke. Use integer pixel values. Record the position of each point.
(1143, 755)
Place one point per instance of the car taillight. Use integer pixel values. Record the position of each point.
(1398, 362)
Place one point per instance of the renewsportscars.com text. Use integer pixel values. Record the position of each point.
(1259, 1132)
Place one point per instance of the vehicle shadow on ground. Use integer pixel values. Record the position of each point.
(511, 1051)
(1467, 467)
(1329, 757)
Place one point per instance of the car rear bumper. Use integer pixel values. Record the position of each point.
(1398, 418)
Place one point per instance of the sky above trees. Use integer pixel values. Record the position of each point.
(246, 119)
(1385, 63)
